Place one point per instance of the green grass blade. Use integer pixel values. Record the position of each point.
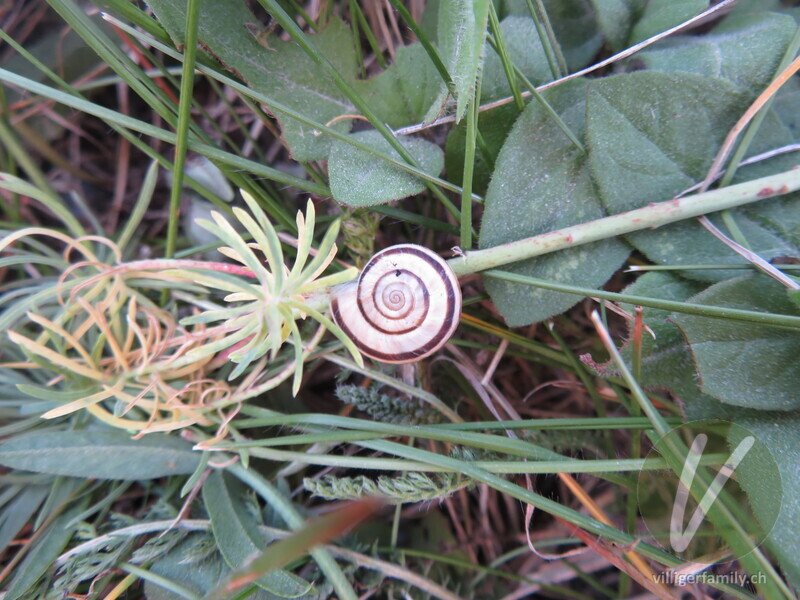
(116, 118)
(714, 312)
(498, 43)
(49, 200)
(139, 209)
(184, 119)
(114, 57)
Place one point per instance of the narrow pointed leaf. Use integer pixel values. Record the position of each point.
(237, 534)
(99, 455)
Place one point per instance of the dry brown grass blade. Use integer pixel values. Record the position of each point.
(613, 554)
(716, 168)
(318, 532)
(736, 130)
(598, 513)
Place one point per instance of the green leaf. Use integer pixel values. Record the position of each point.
(100, 455)
(17, 513)
(461, 33)
(652, 135)
(237, 535)
(660, 15)
(193, 563)
(751, 6)
(403, 93)
(746, 50)
(794, 296)
(575, 25)
(744, 364)
(542, 183)
(781, 127)
(666, 359)
(780, 433)
(784, 444)
(280, 70)
(44, 553)
(615, 19)
(361, 179)
(527, 54)
(196, 566)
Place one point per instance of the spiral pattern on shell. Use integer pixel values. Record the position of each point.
(404, 306)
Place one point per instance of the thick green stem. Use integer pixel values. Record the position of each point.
(648, 217)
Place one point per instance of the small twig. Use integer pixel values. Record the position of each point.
(501, 350)
(758, 262)
(748, 161)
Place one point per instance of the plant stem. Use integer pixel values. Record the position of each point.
(649, 217)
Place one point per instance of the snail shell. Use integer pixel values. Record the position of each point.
(404, 306)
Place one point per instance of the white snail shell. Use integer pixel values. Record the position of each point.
(404, 306)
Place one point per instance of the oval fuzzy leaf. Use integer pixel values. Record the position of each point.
(745, 49)
(666, 360)
(652, 135)
(359, 178)
(615, 18)
(100, 455)
(794, 296)
(782, 442)
(494, 125)
(403, 93)
(660, 15)
(237, 534)
(541, 183)
(194, 565)
(745, 364)
(526, 53)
